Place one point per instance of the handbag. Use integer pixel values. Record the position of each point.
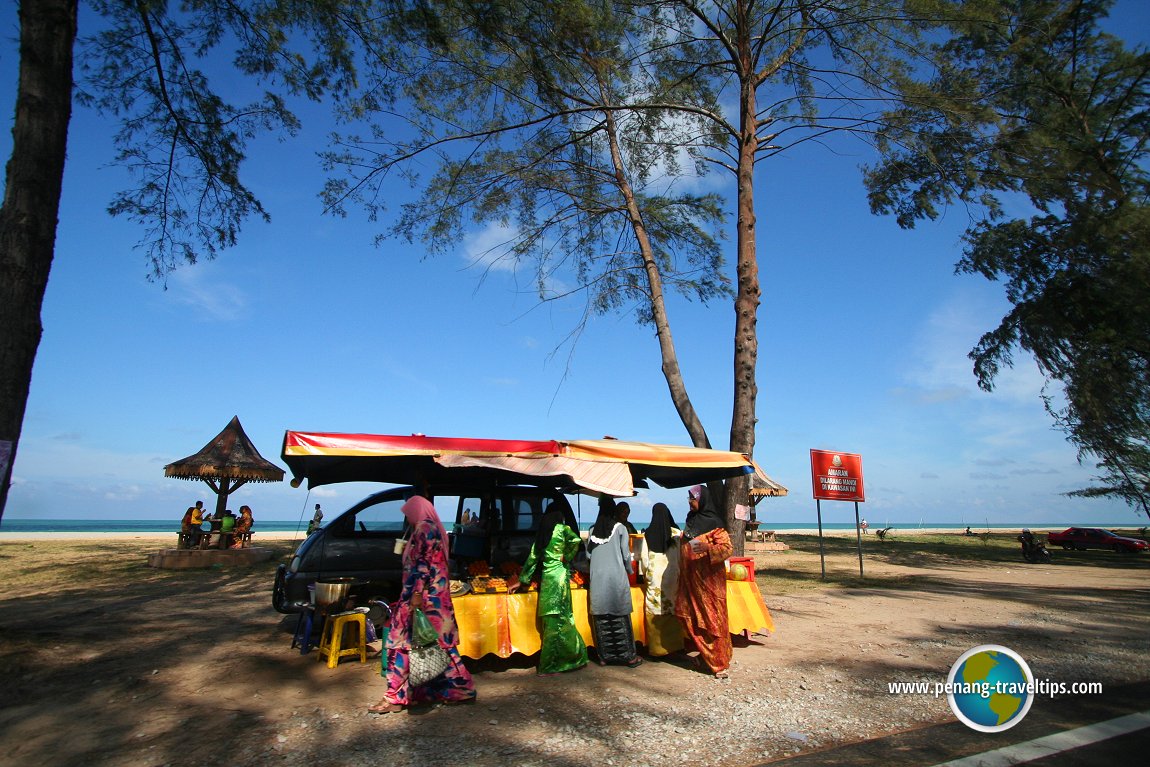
(426, 663)
(426, 659)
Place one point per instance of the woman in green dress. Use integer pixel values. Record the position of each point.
(549, 565)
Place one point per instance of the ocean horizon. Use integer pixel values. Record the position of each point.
(28, 525)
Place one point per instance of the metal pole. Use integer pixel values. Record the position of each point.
(822, 557)
(858, 537)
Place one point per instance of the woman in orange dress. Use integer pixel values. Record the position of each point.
(243, 525)
(701, 605)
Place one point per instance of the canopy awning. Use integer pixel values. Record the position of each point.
(608, 466)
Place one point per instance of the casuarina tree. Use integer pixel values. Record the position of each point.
(1038, 121)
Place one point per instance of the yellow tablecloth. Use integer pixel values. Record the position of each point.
(506, 623)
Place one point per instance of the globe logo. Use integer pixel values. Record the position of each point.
(990, 688)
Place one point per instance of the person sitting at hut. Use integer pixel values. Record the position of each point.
(186, 528)
(227, 525)
(195, 517)
(243, 527)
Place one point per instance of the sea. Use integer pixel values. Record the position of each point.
(18, 525)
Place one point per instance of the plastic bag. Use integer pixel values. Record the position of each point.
(422, 632)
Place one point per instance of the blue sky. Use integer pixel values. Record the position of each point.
(864, 331)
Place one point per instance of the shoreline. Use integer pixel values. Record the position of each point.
(14, 537)
(287, 535)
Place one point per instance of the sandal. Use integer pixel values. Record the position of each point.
(636, 662)
(383, 707)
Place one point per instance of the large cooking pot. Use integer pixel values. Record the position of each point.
(332, 592)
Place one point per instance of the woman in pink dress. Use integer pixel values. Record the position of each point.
(426, 586)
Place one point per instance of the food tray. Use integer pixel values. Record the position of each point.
(488, 586)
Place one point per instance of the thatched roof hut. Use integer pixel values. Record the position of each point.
(765, 487)
(224, 464)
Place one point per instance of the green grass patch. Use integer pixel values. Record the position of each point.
(800, 571)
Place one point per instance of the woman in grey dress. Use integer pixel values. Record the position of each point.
(610, 589)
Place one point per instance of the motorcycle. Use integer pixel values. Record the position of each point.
(1033, 549)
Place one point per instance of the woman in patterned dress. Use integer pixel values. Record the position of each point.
(426, 586)
(701, 605)
(549, 565)
(243, 525)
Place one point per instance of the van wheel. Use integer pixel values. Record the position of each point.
(279, 590)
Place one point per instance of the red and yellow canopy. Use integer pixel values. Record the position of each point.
(609, 466)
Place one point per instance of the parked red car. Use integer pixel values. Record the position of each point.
(1081, 538)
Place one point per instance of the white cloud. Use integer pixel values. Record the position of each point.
(208, 296)
(944, 373)
(488, 248)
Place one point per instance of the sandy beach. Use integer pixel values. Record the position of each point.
(288, 535)
(142, 667)
(159, 538)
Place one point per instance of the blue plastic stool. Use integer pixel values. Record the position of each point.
(303, 629)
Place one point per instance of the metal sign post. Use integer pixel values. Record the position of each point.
(837, 477)
(822, 556)
(858, 537)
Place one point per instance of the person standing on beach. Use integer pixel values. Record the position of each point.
(549, 564)
(701, 605)
(315, 520)
(426, 587)
(610, 597)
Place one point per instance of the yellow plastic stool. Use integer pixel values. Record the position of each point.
(332, 639)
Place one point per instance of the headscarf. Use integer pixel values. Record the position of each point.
(706, 518)
(604, 523)
(557, 514)
(658, 533)
(623, 514)
(419, 509)
(562, 504)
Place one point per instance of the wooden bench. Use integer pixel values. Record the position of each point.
(760, 536)
(210, 540)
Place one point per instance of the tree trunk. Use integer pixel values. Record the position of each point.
(671, 372)
(746, 388)
(31, 206)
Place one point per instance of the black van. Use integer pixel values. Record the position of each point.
(359, 544)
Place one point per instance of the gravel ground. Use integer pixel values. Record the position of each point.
(199, 672)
